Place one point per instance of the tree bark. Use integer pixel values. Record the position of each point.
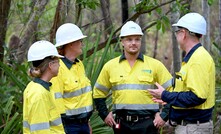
(4, 11)
(143, 42)
(105, 7)
(125, 15)
(219, 40)
(176, 50)
(30, 30)
(58, 19)
(155, 44)
(206, 38)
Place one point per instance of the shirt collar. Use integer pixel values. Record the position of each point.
(45, 84)
(187, 57)
(140, 57)
(69, 63)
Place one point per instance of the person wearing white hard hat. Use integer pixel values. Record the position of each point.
(40, 114)
(128, 77)
(193, 97)
(72, 88)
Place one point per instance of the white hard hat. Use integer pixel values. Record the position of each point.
(130, 28)
(194, 22)
(68, 33)
(42, 49)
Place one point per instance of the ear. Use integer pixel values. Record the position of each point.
(122, 42)
(50, 64)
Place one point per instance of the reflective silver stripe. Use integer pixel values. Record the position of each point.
(39, 126)
(136, 106)
(77, 93)
(58, 95)
(101, 87)
(25, 124)
(79, 110)
(133, 86)
(168, 83)
(55, 122)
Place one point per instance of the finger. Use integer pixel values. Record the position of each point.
(114, 123)
(158, 85)
(110, 124)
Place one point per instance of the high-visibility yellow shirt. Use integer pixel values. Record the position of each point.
(73, 92)
(129, 84)
(198, 76)
(40, 115)
(57, 93)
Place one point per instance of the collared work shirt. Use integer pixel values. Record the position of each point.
(72, 90)
(129, 84)
(40, 114)
(195, 85)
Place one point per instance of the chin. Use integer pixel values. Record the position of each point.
(133, 52)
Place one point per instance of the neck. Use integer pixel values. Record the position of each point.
(190, 44)
(131, 57)
(71, 57)
(68, 52)
(46, 77)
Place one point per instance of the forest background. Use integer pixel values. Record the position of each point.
(23, 22)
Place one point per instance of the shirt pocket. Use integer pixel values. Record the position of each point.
(70, 85)
(146, 79)
(179, 83)
(117, 80)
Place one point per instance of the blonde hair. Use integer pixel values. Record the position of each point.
(39, 69)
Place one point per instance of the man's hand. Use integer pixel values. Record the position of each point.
(159, 101)
(156, 92)
(109, 120)
(158, 121)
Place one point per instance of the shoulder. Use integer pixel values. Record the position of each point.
(202, 56)
(151, 60)
(112, 61)
(35, 91)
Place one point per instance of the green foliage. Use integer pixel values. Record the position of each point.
(98, 126)
(91, 4)
(13, 83)
(12, 121)
(145, 5)
(210, 2)
(183, 8)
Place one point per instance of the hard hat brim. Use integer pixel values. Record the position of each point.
(130, 34)
(69, 41)
(59, 56)
(176, 25)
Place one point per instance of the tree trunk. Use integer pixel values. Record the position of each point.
(4, 11)
(12, 47)
(176, 50)
(105, 7)
(124, 4)
(58, 19)
(219, 40)
(143, 42)
(30, 30)
(206, 38)
(155, 44)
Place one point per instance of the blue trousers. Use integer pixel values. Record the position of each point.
(75, 127)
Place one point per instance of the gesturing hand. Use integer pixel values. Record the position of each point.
(156, 92)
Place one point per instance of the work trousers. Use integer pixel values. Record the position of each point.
(200, 128)
(145, 126)
(76, 126)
